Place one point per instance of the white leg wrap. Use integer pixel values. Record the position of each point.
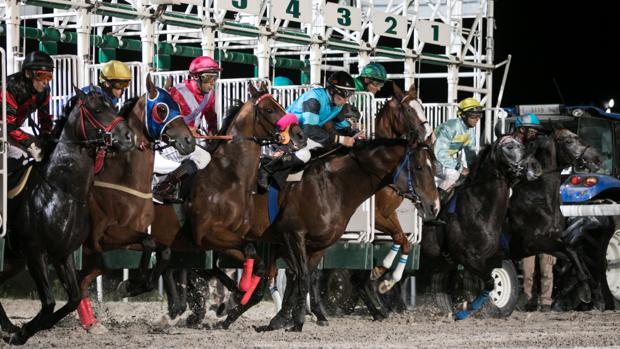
(200, 157)
(275, 295)
(389, 258)
(400, 268)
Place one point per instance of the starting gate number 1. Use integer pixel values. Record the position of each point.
(292, 10)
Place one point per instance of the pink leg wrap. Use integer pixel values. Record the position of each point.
(250, 291)
(85, 311)
(246, 277)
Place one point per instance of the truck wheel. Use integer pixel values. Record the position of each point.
(610, 269)
(337, 292)
(503, 300)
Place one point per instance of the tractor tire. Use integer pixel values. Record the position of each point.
(338, 295)
(609, 267)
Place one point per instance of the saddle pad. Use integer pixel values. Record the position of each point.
(20, 184)
(295, 177)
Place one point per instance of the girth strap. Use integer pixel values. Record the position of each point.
(124, 189)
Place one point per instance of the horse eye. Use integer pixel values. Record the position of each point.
(510, 146)
(418, 168)
(269, 110)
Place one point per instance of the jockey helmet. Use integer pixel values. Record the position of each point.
(282, 81)
(116, 73)
(469, 105)
(37, 60)
(528, 120)
(374, 71)
(342, 83)
(204, 64)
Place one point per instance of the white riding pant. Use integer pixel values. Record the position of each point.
(15, 152)
(446, 178)
(303, 154)
(168, 159)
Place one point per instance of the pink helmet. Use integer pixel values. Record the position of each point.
(203, 64)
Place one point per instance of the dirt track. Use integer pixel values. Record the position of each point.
(135, 325)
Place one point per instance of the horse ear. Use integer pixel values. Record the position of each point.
(398, 93)
(413, 91)
(79, 93)
(252, 89)
(168, 84)
(150, 87)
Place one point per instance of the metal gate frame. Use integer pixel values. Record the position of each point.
(3, 153)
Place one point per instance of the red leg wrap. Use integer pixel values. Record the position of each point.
(246, 277)
(250, 291)
(85, 311)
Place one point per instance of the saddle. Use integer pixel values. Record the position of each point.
(18, 176)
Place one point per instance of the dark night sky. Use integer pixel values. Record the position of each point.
(571, 42)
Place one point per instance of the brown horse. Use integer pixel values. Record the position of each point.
(338, 186)
(221, 206)
(120, 203)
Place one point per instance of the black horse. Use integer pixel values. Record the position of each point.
(476, 213)
(534, 223)
(49, 219)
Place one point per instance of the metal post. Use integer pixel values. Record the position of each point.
(147, 34)
(490, 46)
(208, 42)
(262, 51)
(3, 150)
(409, 65)
(315, 64)
(83, 45)
(363, 60)
(11, 17)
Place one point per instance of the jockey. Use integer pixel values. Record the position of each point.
(28, 91)
(527, 127)
(314, 109)
(196, 98)
(371, 79)
(453, 137)
(114, 79)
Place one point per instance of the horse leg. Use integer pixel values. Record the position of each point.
(88, 274)
(68, 278)
(315, 295)
(299, 259)
(37, 266)
(368, 295)
(400, 240)
(583, 293)
(132, 287)
(5, 322)
(11, 268)
(175, 307)
(482, 270)
(284, 317)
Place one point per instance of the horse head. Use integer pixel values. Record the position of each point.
(267, 113)
(573, 151)
(94, 122)
(414, 106)
(164, 119)
(415, 176)
(512, 160)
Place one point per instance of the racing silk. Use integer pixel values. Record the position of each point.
(359, 84)
(189, 97)
(21, 101)
(452, 137)
(315, 108)
(108, 96)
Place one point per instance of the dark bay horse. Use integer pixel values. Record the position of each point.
(221, 206)
(120, 202)
(338, 186)
(534, 223)
(476, 213)
(50, 219)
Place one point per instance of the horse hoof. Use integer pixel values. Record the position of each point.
(10, 329)
(260, 329)
(322, 323)
(386, 285)
(377, 272)
(584, 294)
(461, 315)
(15, 339)
(97, 328)
(295, 328)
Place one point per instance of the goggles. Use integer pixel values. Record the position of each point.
(473, 115)
(377, 83)
(118, 84)
(207, 77)
(43, 75)
(344, 93)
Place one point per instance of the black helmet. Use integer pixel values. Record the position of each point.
(37, 60)
(342, 83)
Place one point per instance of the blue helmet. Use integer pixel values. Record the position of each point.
(282, 81)
(529, 120)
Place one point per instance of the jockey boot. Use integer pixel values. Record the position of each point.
(280, 165)
(166, 190)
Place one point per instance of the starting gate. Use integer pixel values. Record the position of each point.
(3, 158)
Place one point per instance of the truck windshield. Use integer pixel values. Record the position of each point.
(598, 133)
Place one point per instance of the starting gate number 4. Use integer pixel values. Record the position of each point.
(292, 10)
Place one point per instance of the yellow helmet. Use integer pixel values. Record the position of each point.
(469, 104)
(115, 70)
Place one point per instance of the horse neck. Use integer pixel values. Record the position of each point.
(70, 168)
(386, 123)
(358, 179)
(135, 167)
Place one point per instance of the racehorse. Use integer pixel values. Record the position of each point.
(476, 213)
(221, 204)
(338, 186)
(534, 223)
(49, 219)
(120, 202)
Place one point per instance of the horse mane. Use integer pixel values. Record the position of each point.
(230, 116)
(128, 107)
(483, 154)
(360, 145)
